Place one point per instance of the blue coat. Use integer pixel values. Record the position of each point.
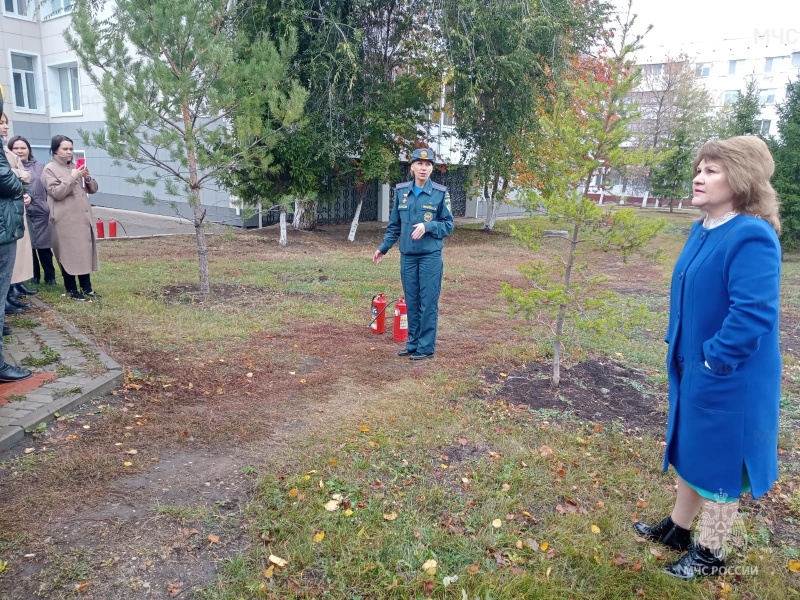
(724, 302)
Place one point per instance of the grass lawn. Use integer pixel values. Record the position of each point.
(283, 451)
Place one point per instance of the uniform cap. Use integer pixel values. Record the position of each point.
(423, 154)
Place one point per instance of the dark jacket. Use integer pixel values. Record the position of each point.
(38, 211)
(11, 206)
(431, 207)
(724, 303)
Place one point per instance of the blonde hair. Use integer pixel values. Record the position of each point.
(748, 166)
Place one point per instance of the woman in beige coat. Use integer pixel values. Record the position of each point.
(23, 264)
(71, 219)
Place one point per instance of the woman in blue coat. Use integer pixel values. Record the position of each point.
(723, 360)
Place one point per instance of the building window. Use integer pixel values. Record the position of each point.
(765, 125)
(772, 64)
(730, 97)
(735, 66)
(23, 75)
(65, 91)
(654, 70)
(766, 97)
(702, 70)
(21, 8)
(796, 59)
(55, 8)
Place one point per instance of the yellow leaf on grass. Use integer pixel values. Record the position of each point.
(544, 546)
(497, 523)
(348, 512)
(277, 561)
(472, 569)
(429, 567)
(302, 381)
(794, 565)
(293, 493)
(390, 516)
(331, 506)
(318, 537)
(3, 565)
(595, 529)
(213, 538)
(364, 428)
(127, 463)
(269, 571)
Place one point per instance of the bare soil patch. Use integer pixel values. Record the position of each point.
(596, 391)
(223, 297)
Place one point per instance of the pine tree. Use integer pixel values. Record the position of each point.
(786, 151)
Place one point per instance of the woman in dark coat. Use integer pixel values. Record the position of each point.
(38, 213)
(723, 361)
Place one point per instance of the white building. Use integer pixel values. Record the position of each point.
(47, 93)
(771, 56)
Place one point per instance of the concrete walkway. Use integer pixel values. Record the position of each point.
(68, 371)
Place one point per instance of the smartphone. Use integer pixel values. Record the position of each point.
(80, 163)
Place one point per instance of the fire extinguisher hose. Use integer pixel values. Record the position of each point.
(388, 304)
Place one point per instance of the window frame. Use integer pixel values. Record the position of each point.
(727, 93)
(38, 85)
(55, 97)
(61, 12)
(30, 5)
(702, 69)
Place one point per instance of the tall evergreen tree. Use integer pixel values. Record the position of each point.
(741, 117)
(786, 151)
(179, 83)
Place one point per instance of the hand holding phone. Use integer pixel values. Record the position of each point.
(80, 163)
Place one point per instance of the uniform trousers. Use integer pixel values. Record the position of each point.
(421, 275)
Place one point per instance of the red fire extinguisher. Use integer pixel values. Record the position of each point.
(400, 321)
(378, 324)
(112, 228)
(100, 229)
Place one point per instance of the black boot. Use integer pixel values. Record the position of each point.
(699, 561)
(666, 532)
(6, 330)
(13, 294)
(23, 289)
(10, 373)
(12, 309)
(15, 300)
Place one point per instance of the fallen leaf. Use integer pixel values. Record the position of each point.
(220, 391)
(472, 569)
(545, 450)
(291, 372)
(446, 581)
(428, 587)
(363, 428)
(277, 561)
(348, 512)
(597, 559)
(497, 523)
(174, 588)
(81, 587)
(544, 546)
(657, 553)
(390, 516)
(639, 592)
(598, 428)
(132, 452)
(794, 565)
(642, 503)
(637, 566)
(547, 573)
(519, 545)
(429, 567)
(331, 506)
(505, 487)
(29, 450)
(302, 381)
(127, 463)
(292, 493)
(269, 571)
(620, 560)
(249, 374)
(213, 538)
(600, 504)
(318, 537)
(595, 529)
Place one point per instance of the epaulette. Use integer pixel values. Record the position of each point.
(438, 186)
(405, 184)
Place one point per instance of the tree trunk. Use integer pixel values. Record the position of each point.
(562, 309)
(202, 248)
(492, 203)
(305, 214)
(354, 225)
(282, 240)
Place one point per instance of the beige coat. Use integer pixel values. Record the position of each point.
(71, 219)
(23, 264)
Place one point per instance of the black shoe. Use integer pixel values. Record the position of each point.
(76, 295)
(50, 282)
(699, 561)
(9, 374)
(34, 281)
(91, 295)
(419, 356)
(23, 289)
(406, 352)
(666, 532)
(14, 295)
(13, 310)
(17, 303)
(6, 330)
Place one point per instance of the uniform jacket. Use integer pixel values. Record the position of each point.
(38, 211)
(11, 207)
(431, 207)
(71, 217)
(724, 302)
